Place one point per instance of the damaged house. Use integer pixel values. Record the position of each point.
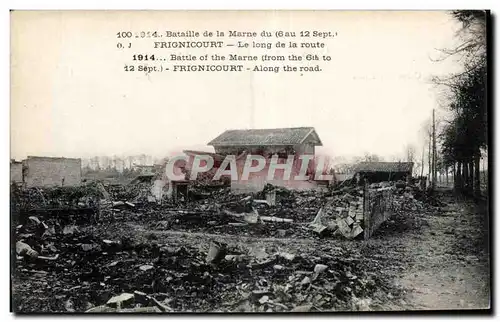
(283, 142)
(268, 142)
(383, 171)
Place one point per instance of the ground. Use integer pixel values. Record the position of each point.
(419, 260)
(449, 260)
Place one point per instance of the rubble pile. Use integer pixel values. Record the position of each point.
(69, 204)
(342, 215)
(120, 192)
(65, 265)
(233, 215)
(39, 198)
(301, 206)
(139, 192)
(411, 198)
(273, 212)
(289, 214)
(76, 271)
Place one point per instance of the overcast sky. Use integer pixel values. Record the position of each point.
(71, 97)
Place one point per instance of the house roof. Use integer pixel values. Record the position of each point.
(384, 166)
(258, 137)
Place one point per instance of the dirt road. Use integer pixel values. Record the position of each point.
(448, 259)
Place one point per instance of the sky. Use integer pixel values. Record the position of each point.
(71, 97)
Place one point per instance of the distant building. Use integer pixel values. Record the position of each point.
(16, 171)
(384, 171)
(51, 172)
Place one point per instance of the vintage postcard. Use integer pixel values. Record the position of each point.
(249, 161)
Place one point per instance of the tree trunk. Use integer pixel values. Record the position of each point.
(447, 178)
(477, 175)
(470, 178)
(465, 175)
(471, 175)
(459, 177)
(455, 175)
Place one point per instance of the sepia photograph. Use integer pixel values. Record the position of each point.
(270, 161)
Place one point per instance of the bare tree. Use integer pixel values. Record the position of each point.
(369, 157)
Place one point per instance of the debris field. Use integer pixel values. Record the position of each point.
(274, 251)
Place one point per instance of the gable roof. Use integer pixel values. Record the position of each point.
(384, 167)
(256, 137)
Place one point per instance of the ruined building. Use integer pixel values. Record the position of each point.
(268, 142)
(51, 172)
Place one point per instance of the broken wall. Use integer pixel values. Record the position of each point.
(16, 172)
(355, 210)
(158, 189)
(52, 172)
(378, 207)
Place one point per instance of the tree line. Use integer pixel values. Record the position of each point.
(464, 136)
